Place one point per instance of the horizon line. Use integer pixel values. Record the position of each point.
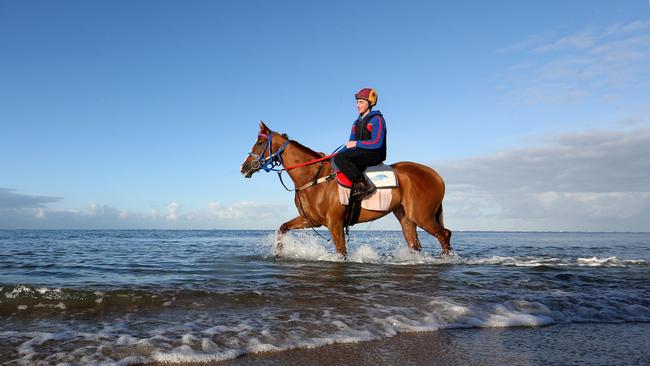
(323, 230)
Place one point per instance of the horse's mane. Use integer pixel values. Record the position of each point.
(304, 148)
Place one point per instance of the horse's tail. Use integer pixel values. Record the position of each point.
(439, 217)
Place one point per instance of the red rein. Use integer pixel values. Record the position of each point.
(310, 162)
(261, 134)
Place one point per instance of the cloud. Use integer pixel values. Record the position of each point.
(246, 210)
(154, 214)
(581, 40)
(11, 200)
(40, 213)
(173, 209)
(617, 29)
(241, 215)
(596, 62)
(103, 211)
(595, 180)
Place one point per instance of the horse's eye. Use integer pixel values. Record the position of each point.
(259, 143)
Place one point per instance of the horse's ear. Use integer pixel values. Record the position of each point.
(263, 128)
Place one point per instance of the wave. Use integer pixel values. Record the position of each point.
(529, 261)
(309, 248)
(26, 299)
(204, 337)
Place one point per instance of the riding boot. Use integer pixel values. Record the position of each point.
(363, 189)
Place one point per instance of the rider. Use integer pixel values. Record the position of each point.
(367, 145)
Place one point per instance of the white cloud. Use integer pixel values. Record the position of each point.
(40, 213)
(173, 209)
(595, 180)
(246, 210)
(604, 63)
(241, 215)
(575, 41)
(102, 211)
(615, 205)
(617, 29)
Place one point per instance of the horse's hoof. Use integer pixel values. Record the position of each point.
(279, 252)
(447, 254)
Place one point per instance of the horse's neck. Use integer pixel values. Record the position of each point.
(295, 154)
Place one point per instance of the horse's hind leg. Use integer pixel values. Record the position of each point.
(443, 235)
(434, 226)
(408, 228)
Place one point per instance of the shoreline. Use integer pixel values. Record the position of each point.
(559, 344)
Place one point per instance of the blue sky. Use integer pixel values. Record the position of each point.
(120, 114)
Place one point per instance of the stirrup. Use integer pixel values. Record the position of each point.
(361, 194)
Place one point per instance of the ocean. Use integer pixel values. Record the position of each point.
(119, 297)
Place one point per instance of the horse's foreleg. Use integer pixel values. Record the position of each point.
(409, 229)
(298, 222)
(338, 236)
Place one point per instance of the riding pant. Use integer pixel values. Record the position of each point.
(353, 162)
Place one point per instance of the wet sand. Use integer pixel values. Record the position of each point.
(565, 344)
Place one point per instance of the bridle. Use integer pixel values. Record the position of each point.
(271, 162)
(274, 159)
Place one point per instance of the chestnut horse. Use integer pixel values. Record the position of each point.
(416, 202)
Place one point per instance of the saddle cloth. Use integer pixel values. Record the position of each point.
(384, 178)
(378, 201)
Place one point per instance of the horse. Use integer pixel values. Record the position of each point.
(417, 202)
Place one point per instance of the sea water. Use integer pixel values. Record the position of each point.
(125, 297)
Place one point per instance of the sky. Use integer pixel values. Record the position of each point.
(138, 114)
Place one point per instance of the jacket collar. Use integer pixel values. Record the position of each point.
(370, 115)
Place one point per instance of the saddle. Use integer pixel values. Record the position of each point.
(383, 177)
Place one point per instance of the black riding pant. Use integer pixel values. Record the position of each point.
(353, 162)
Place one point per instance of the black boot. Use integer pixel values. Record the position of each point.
(362, 189)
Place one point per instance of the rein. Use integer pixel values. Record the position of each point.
(271, 162)
(310, 162)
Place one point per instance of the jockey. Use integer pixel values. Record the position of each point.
(367, 145)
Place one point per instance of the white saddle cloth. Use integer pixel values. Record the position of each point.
(384, 178)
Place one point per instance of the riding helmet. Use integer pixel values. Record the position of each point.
(368, 94)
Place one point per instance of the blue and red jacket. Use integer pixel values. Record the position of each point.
(370, 131)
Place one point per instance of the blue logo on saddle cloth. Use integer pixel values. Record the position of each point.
(382, 176)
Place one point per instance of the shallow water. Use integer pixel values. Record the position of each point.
(120, 297)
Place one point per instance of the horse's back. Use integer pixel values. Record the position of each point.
(417, 171)
(419, 181)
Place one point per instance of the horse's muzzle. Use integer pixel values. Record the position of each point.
(247, 169)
